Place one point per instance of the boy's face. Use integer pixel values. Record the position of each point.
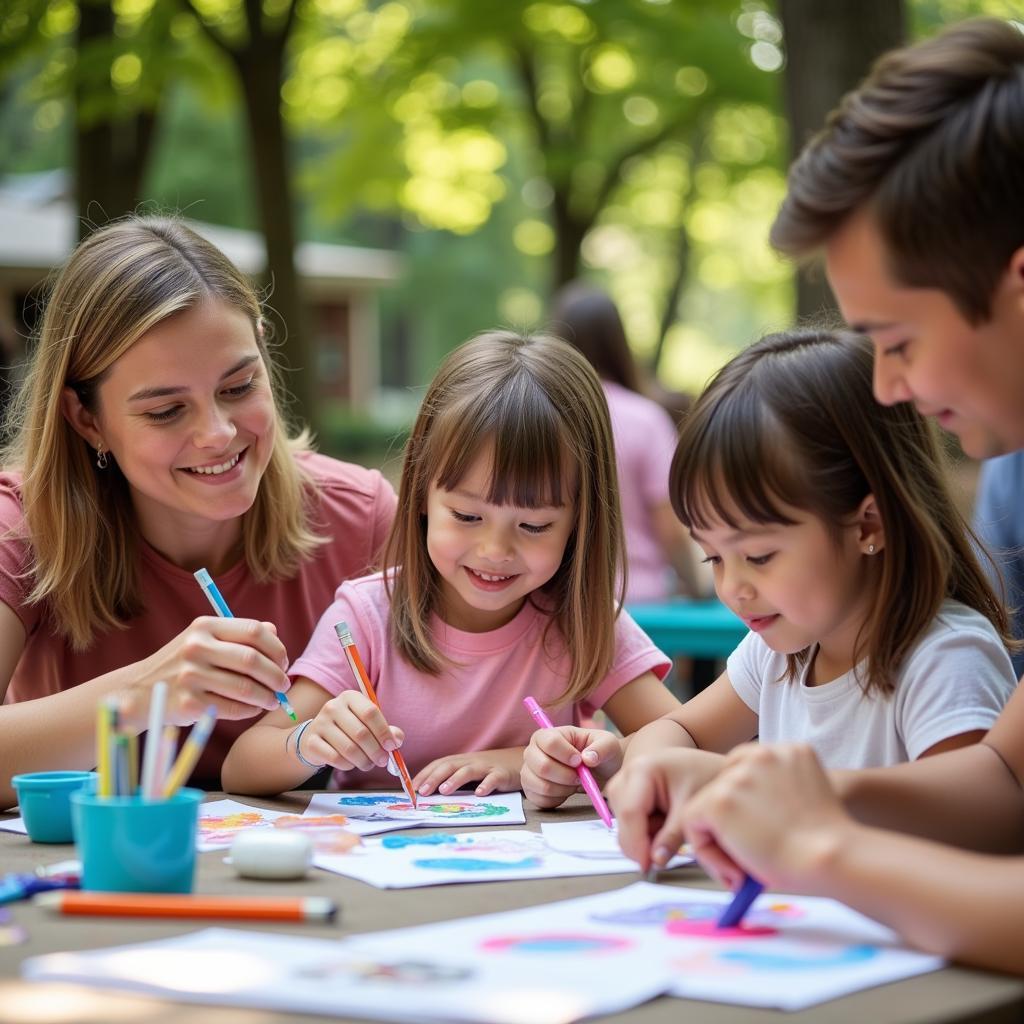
(970, 378)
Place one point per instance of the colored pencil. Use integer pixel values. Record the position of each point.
(190, 751)
(220, 606)
(355, 663)
(242, 908)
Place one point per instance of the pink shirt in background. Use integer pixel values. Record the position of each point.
(356, 509)
(645, 441)
(475, 703)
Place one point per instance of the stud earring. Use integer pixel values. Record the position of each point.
(101, 456)
(871, 549)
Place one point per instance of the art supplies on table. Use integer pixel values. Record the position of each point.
(396, 763)
(548, 964)
(294, 974)
(223, 908)
(370, 813)
(587, 780)
(799, 951)
(220, 606)
(18, 885)
(732, 916)
(445, 858)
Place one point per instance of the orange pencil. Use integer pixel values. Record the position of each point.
(359, 671)
(136, 904)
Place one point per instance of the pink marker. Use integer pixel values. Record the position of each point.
(587, 780)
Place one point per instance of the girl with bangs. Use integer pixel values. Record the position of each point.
(500, 582)
(875, 636)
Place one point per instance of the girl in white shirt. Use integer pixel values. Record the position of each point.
(828, 521)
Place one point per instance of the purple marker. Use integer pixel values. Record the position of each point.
(745, 895)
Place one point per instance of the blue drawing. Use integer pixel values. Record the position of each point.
(760, 959)
(365, 801)
(475, 863)
(398, 842)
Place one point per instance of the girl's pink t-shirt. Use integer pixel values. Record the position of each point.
(476, 703)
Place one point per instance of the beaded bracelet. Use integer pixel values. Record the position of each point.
(298, 753)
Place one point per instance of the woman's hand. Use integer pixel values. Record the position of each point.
(648, 797)
(498, 771)
(234, 664)
(349, 732)
(549, 774)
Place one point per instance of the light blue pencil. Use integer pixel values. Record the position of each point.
(220, 606)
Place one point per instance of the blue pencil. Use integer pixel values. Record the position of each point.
(745, 895)
(220, 606)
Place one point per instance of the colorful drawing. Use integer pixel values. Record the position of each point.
(386, 807)
(471, 864)
(692, 918)
(760, 959)
(573, 943)
(221, 829)
(434, 839)
(400, 972)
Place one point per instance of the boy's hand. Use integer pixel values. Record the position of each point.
(549, 764)
(648, 797)
(350, 732)
(498, 771)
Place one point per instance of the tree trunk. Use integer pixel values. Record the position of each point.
(110, 154)
(569, 234)
(261, 70)
(830, 47)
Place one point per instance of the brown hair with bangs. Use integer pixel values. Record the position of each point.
(537, 404)
(933, 141)
(792, 421)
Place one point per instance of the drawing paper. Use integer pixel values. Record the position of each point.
(372, 813)
(291, 973)
(442, 858)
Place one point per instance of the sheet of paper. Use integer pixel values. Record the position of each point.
(442, 858)
(373, 813)
(307, 975)
(799, 951)
(221, 820)
(592, 838)
(14, 825)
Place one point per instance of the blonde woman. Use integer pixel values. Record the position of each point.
(148, 442)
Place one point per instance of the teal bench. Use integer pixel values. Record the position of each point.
(690, 629)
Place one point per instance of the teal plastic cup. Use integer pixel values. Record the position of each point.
(45, 802)
(133, 844)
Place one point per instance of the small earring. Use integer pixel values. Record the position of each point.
(871, 549)
(101, 456)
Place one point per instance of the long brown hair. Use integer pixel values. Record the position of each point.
(537, 404)
(119, 283)
(933, 142)
(792, 420)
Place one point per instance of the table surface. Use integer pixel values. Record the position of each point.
(953, 994)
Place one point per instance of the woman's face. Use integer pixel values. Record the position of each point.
(188, 416)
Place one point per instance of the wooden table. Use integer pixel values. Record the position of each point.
(950, 995)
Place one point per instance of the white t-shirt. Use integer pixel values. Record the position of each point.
(955, 680)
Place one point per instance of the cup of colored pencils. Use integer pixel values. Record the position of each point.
(136, 831)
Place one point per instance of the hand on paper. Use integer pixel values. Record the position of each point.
(549, 765)
(771, 812)
(234, 664)
(349, 732)
(648, 796)
(497, 770)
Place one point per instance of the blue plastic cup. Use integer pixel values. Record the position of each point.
(44, 799)
(134, 844)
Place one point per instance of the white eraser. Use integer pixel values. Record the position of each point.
(269, 853)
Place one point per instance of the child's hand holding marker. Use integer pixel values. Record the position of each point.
(348, 732)
(549, 774)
